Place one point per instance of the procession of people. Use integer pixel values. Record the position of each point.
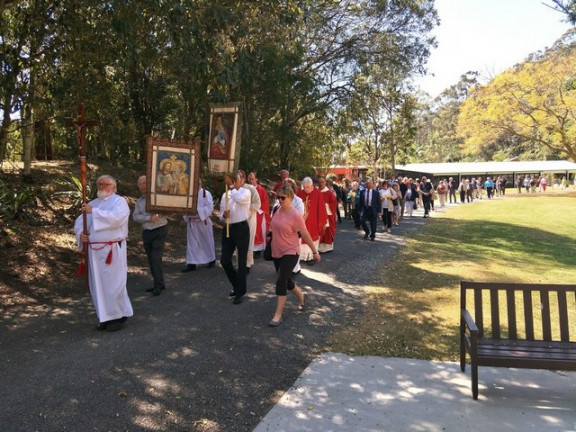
(302, 217)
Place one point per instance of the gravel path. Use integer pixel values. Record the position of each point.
(188, 360)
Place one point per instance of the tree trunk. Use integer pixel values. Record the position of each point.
(4, 128)
(27, 138)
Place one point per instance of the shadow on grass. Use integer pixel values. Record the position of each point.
(413, 310)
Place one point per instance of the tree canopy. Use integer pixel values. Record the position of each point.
(150, 66)
(533, 103)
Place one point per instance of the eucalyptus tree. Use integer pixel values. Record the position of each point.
(567, 7)
(438, 119)
(26, 33)
(534, 102)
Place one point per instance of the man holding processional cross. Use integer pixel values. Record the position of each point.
(101, 231)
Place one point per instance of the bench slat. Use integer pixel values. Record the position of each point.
(545, 308)
(563, 317)
(511, 301)
(528, 314)
(478, 312)
(495, 313)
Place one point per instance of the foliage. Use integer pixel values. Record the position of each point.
(534, 102)
(73, 190)
(144, 67)
(437, 121)
(18, 202)
(567, 7)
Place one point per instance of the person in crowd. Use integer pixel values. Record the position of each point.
(498, 186)
(287, 226)
(503, 180)
(298, 204)
(262, 215)
(410, 197)
(369, 209)
(543, 183)
(432, 195)
(427, 190)
(346, 204)
(418, 202)
(154, 233)
(338, 192)
(200, 247)
(470, 187)
(533, 183)
(452, 188)
(354, 199)
(254, 207)
(442, 190)
(314, 215)
(396, 203)
(402, 187)
(329, 233)
(489, 185)
(107, 230)
(479, 184)
(527, 181)
(462, 188)
(235, 211)
(387, 194)
(284, 174)
(519, 183)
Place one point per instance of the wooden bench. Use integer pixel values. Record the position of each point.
(503, 333)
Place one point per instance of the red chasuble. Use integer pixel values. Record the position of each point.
(314, 212)
(329, 233)
(262, 219)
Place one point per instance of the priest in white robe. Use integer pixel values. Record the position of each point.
(200, 235)
(107, 227)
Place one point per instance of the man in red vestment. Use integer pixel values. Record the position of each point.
(284, 174)
(262, 215)
(314, 215)
(331, 203)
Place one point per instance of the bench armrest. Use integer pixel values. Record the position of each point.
(469, 321)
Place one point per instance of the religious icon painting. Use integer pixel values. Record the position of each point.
(223, 139)
(173, 169)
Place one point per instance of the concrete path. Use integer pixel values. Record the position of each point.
(341, 393)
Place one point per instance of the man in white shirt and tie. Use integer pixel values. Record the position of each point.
(238, 239)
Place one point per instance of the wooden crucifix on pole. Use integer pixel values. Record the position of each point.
(80, 124)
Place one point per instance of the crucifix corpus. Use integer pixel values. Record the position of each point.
(80, 124)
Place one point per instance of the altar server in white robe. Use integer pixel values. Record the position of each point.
(107, 226)
(200, 236)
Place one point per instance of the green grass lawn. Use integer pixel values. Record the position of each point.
(413, 311)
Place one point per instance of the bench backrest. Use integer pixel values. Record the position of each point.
(521, 311)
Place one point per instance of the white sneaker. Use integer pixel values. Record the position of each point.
(389, 230)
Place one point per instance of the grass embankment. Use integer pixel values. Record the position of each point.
(413, 311)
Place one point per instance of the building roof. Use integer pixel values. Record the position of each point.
(455, 168)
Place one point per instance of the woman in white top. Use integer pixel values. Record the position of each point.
(387, 194)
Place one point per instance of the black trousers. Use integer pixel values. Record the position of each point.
(154, 241)
(452, 195)
(369, 216)
(387, 218)
(284, 266)
(426, 201)
(356, 218)
(239, 239)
